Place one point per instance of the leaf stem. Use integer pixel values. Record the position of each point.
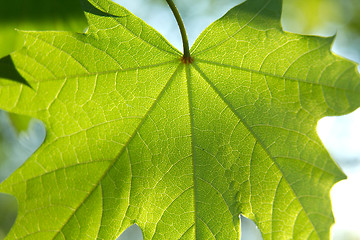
(186, 56)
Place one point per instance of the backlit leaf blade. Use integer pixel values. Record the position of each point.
(136, 136)
(279, 85)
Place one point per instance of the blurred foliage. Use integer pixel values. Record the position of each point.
(354, 23)
(322, 16)
(8, 209)
(6, 139)
(37, 15)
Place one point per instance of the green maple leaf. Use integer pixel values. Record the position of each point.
(135, 135)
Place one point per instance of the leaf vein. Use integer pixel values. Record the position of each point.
(255, 136)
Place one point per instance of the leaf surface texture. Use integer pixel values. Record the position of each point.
(137, 136)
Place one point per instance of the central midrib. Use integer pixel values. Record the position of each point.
(188, 78)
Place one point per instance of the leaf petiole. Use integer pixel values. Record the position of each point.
(186, 57)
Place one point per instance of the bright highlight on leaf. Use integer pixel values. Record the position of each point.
(134, 135)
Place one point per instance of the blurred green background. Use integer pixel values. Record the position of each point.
(21, 136)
